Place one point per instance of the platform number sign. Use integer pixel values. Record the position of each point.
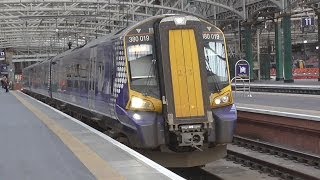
(2, 54)
(308, 21)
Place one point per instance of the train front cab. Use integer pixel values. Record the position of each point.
(179, 77)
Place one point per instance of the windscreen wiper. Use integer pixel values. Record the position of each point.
(213, 75)
(151, 70)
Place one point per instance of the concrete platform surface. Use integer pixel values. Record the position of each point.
(280, 104)
(39, 142)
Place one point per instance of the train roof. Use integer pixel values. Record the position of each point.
(113, 35)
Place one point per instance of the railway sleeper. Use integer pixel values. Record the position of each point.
(317, 164)
(263, 169)
(270, 171)
(236, 160)
(313, 163)
(230, 157)
(290, 157)
(275, 173)
(254, 166)
(247, 163)
(287, 176)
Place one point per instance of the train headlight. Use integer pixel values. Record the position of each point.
(225, 99)
(138, 103)
(222, 99)
(180, 21)
(217, 101)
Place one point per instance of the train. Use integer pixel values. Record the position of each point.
(161, 86)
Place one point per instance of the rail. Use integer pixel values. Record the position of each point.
(278, 151)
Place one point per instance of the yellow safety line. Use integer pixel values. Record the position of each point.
(96, 165)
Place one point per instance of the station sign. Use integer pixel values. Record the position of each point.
(3, 69)
(242, 69)
(2, 54)
(308, 21)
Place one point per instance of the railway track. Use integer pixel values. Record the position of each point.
(265, 158)
(263, 147)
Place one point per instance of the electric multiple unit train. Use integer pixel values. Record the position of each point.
(161, 85)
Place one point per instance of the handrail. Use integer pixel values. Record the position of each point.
(243, 85)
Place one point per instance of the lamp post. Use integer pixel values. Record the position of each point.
(305, 53)
(318, 14)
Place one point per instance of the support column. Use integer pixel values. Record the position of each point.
(279, 55)
(248, 49)
(288, 78)
(268, 60)
(258, 54)
(318, 14)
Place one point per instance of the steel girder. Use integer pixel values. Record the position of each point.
(46, 26)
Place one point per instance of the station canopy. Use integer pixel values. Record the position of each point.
(48, 27)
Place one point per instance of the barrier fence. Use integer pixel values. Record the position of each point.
(301, 73)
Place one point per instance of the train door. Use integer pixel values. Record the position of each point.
(92, 77)
(185, 72)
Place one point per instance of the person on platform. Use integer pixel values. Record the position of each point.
(5, 83)
(2, 83)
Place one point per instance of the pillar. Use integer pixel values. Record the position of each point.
(248, 48)
(279, 55)
(288, 78)
(318, 14)
(11, 70)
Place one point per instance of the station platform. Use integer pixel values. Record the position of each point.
(306, 86)
(39, 142)
(303, 106)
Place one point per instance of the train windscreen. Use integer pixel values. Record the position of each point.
(143, 70)
(216, 60)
